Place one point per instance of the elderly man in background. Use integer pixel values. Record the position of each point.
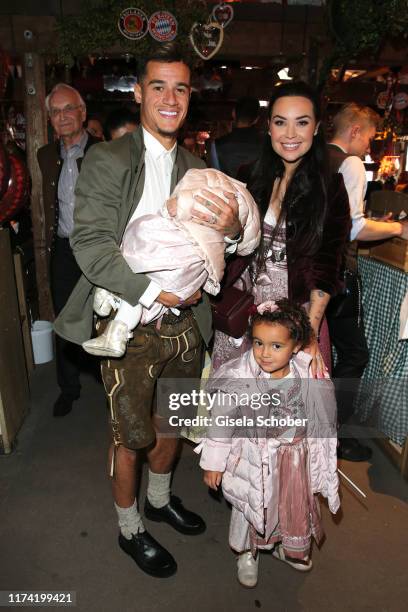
(60, 163)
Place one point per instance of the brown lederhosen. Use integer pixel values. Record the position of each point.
(173, 351)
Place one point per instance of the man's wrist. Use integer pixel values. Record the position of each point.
(398, 229)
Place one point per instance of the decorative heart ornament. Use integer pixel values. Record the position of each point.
(223, 14)
(400, 100)
(206, 39)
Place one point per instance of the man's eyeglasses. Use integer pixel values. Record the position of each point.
(67, 110)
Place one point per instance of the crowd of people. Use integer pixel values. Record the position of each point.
(306, 201)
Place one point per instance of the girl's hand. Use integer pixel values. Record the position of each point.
(318, 367)
(212, 479)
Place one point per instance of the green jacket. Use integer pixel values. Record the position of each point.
(108, 190)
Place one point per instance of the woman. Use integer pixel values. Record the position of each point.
(306, 218)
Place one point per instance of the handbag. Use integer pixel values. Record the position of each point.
(231, 307)
(348, 303)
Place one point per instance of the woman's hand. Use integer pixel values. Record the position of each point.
(222, 216)
(212, 479)
(317, 366)
(318, 302)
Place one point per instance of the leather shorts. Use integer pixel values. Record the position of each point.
(173, 351)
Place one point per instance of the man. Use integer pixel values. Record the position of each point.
(121, 180)
(60, 163)
(243, 144)
(94, 127)
(354, 127)
(119, 122)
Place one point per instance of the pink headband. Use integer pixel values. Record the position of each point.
(269, 306)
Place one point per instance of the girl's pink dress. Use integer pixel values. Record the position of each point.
(271, 474)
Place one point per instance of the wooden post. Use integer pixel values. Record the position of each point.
(36, 135)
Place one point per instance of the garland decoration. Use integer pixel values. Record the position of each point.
(363, 27)
(95, 29)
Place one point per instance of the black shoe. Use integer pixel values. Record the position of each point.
(149, 555)
(63, 405)
(351, 449)
(177, 516)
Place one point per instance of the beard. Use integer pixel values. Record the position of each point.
(168, 133)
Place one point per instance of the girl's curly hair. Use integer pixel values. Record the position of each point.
(290, 315)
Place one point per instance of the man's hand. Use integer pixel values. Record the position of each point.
(386, 218)
(221, 216)
(171, 300)
(404, 230)
(212, 479)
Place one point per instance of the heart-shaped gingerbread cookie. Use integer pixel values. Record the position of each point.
(223, 14)
(206, 39)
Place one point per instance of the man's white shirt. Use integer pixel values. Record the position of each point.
(355, 181)
(159, 163)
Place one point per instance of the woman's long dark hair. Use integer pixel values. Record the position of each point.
(306, 194)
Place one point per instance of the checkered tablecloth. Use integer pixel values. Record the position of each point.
(383, 397)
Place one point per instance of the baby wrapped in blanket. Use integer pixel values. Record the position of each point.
(178, 254)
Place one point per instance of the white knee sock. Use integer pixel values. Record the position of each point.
(158, 489)
(130, 520)
(130, 315)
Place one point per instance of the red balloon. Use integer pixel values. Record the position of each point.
(18, 189)
(4, 170)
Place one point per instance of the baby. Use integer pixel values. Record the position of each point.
(178, 254)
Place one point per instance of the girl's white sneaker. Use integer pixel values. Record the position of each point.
(278, 553)
(248, 569)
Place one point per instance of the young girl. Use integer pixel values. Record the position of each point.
(178, 254)
(271, 471)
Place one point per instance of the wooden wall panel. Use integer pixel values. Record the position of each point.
(14, 390)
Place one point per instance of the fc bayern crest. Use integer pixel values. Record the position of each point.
(133, 23)
(163, 26)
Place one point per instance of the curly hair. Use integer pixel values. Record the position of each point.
(292, 316)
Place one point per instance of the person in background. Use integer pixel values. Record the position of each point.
(119, 122)
(243, 144)
(94, 127)
(60, 163)
(354, 127)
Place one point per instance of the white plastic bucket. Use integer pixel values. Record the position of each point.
(42, 337)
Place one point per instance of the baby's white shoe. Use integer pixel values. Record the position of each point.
(112, 343)
(103, 302)
(248, 569)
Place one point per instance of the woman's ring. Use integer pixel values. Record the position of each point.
(213, 219)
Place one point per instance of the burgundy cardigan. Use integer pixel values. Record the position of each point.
(322, 271)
